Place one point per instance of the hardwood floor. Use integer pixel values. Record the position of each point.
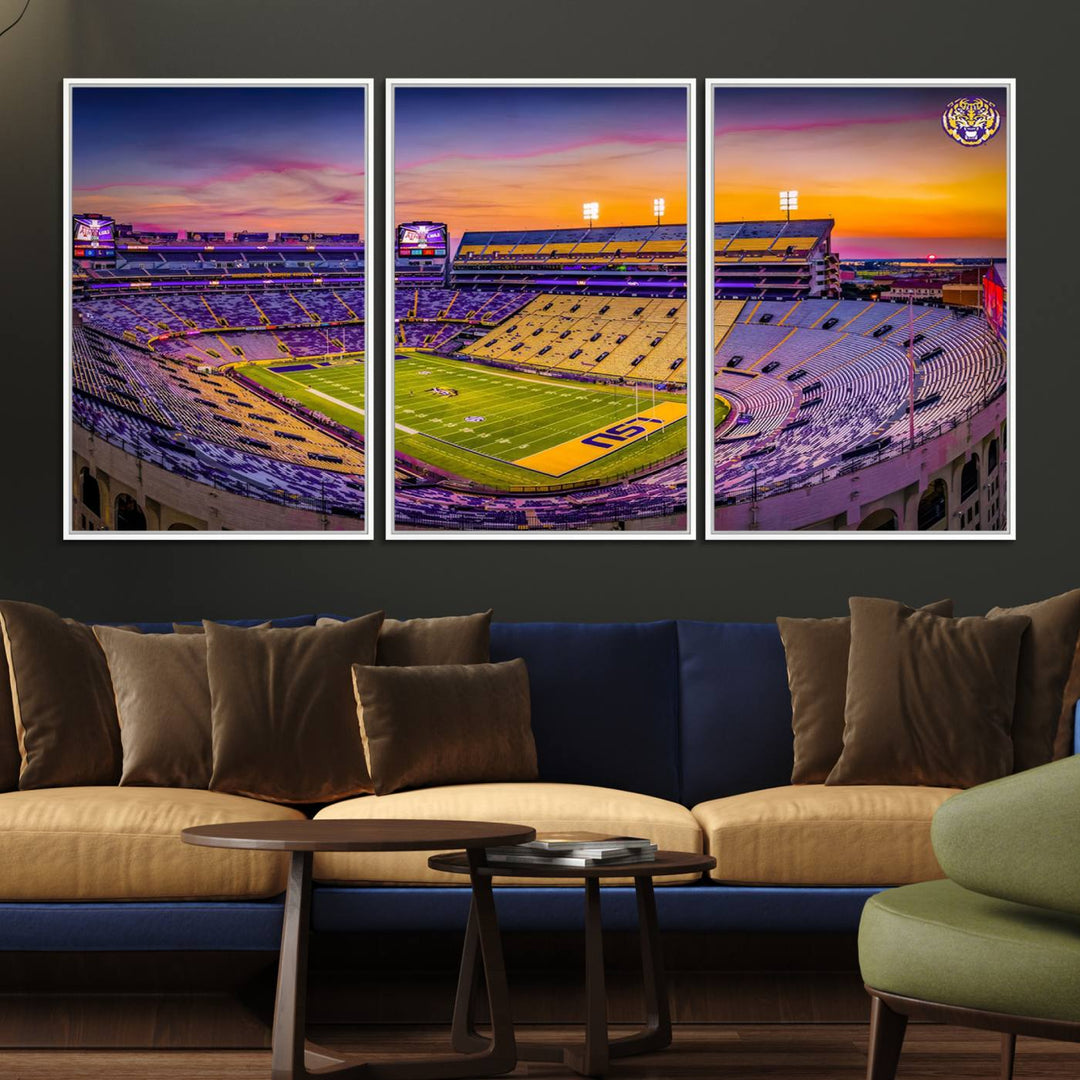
(699, 1052)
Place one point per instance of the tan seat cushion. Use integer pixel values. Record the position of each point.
(546, 807)
(123, 843)
(810, 834)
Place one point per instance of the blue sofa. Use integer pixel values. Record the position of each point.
(681, 711)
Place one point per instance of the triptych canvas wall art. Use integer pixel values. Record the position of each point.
(540, 365)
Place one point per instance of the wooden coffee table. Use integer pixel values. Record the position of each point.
(294, 1059)
(592, 1057)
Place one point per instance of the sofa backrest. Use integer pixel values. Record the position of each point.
(167, 627)
(605, 701)
(686, 711)
(735, 710)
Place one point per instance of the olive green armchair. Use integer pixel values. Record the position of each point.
(997, 944)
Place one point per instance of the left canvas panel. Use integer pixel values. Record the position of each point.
(216, 307)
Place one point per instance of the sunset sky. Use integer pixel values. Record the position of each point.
(874, 158)
(514, 157)
(258, 158)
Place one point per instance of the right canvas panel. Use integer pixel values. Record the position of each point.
(860, 351)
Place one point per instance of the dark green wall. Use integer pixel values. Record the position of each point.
(619, 38)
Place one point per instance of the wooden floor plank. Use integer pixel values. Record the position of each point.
(699, 1052)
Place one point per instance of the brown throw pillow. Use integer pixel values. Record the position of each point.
(1046, 656)
(282, 710)
(9, 739)
(817, 662)
(929, 699)
(1064, 740)
(454, 639)
(62, 696)
(197, 628)
(163, 702)
(446, 724)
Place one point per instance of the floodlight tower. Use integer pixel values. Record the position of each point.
(911, 367)
(789, 200)
(590, 211)
(658, 209)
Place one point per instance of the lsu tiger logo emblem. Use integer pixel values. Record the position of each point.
(971, 121)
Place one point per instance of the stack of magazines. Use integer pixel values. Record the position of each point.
(575, 849)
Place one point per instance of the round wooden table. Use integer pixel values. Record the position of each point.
(593, 1056)
(292, 1058)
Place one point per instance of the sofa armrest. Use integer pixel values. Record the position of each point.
(1017, 838)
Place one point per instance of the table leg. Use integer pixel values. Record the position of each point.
(501, 1055)
(287, 1056)
(592, 1058)
(657, 1031)
(463, 1034)
(294, 1059)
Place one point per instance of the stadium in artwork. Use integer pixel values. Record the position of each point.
(217, 374)
(859, 324)
(540, 372)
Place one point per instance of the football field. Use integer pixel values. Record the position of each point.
(336, 391)
(507, 428)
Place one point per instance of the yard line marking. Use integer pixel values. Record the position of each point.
(336, 401)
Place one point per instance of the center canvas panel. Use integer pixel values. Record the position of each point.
(540, 356)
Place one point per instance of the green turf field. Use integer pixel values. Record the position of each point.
(519, 415)
(336, 392)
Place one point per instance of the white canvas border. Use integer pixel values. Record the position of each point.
(371, 440)
(692, 227)
(711, 533)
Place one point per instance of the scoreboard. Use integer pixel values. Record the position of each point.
(421, 252)
(995, 301)
(93, 237)
(421, 240)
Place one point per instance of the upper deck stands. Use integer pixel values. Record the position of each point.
(620, 337)
(755, 259)
(596, 245)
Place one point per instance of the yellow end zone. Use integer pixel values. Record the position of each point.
(568, 456)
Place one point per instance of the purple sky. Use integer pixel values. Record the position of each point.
(258, 158)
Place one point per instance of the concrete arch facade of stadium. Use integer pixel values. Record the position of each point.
(159, 494)
(886, 495)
